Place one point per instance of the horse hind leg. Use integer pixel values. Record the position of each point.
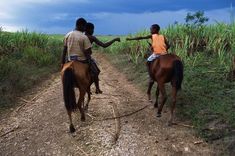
(174, 94)
(157, 95)
(81, 103)
(151, 82)
(88, 100)
(163, 98)
(71, 126)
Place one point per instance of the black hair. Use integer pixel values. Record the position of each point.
(81, 22)
(90, 26)
(156, 26)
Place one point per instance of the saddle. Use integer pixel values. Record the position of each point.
(75, 58)
(93, 68)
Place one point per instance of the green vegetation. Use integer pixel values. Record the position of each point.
(208, 91)
(25, 59)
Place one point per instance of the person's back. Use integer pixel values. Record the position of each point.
(77, 46)
(158, 44)
(76, 43)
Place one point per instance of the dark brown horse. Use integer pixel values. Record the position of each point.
(75, 75)
(167, 68)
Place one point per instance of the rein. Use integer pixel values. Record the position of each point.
(125, 115)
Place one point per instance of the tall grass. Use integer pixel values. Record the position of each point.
(217, 40)
(25, 59)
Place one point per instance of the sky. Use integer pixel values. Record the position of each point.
(110, 17)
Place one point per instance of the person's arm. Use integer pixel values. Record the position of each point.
(139, 38)
(106, 44)
(63, 55)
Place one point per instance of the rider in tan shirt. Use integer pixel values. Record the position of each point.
(76, 44)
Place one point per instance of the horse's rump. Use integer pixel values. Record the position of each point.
(163, 67)
(166, 61)
(74, 74)
(81, 72)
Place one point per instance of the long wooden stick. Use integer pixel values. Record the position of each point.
(81, 150)
(117, 123)
(184, 125)
(12, 130)
(197, 142)
(21, 106)
(125, 115)
(91, 116)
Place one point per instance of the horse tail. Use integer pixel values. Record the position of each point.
(178, 73)
(68, 90)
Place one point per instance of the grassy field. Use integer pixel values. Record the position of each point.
(207, 98)
(25, 59)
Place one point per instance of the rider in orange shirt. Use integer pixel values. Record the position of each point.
(159, 44)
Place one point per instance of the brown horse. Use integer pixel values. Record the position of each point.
(75, 74)
(167, 68)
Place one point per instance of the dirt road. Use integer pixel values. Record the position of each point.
(40, 126)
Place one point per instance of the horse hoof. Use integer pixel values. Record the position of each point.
(159, 115)
(169, 123)
(86, 109)
(98, 91)
(71, 129)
